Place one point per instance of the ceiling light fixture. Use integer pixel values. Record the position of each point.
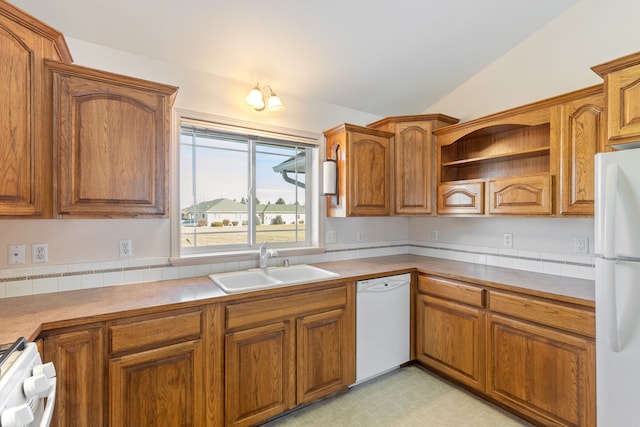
(264, 99)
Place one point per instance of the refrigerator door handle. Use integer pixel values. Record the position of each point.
(608, 233)
(611, 310)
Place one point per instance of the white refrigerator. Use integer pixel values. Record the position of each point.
(617, 250)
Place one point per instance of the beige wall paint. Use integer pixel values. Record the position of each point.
(96, 240)
(553, 61)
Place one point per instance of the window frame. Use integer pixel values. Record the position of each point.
(313, 213)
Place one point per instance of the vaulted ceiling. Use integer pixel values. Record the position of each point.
(382, 57)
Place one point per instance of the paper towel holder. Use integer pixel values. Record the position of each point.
(329, 177)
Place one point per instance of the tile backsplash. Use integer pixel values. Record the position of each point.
(57, 278)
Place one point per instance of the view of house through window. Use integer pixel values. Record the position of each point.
(238, 191)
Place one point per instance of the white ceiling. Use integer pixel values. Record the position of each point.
(384, 57)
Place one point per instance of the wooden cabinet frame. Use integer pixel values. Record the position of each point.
(622, 94)
(111, 143)
(287, 350)
(25, 102)
(413, 160)
(363, 159)
(534, 160)
(533, 356)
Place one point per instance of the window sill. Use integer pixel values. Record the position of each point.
(252, 255)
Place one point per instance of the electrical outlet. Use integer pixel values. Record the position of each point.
(360, 236)
(508, 240)
(581, 245)
(434, 235)
(126, 249)
(15, 254)
(39, 253)
(331, 237)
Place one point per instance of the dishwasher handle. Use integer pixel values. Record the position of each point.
(380, 285)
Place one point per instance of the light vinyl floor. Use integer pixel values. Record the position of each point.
(408, 396)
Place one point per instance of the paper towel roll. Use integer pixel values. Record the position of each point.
(329, 172)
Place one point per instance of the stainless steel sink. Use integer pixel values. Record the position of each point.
(254, 279)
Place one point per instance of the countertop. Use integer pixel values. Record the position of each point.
(29, 315)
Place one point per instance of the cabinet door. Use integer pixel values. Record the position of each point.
(461, 198)
(160, 387)
(322, 366)
(582, 124)
(450, 339)
(259, 373)
(369, 163)
(25, 127)
(526, 195)
(623, 105)
(79, 361)
(111, 139)
(541, 372)
(413, 157)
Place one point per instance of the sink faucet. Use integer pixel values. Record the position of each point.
(265, 254)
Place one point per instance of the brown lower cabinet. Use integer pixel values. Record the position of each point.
(237, 363)
(544, 373)
(451, 339)
(79, 358)
(287, 350)
(159, 387)
(242, 362)
(539, 354)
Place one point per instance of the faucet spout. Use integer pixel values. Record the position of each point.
(265, 254)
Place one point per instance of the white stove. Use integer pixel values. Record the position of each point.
(27, 386)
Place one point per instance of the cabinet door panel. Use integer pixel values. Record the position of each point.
(24, 151)
(78, 359)
(161, 387)
(259, 373)
(369, 166)
(413, 181)
(449, 338)
(527, 195)
(363, 157)
(623, 93)
(582, 136)
(322, 365)
(544, 373)
(461, 198)
(111, 137)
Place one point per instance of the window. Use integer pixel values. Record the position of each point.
(240, 187)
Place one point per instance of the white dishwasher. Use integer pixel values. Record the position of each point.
(382, 325)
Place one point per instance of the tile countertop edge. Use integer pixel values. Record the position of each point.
(28, 316)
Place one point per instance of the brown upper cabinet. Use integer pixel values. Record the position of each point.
(413, 160)
(25, 152)
(111, 143)
(363, 157)
(534, 160)
(622, 91)
(582, 134)
(79, 142)
(499, 164)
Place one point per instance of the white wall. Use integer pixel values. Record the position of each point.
(554, 60)
(96, 240)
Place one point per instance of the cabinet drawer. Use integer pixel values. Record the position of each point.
(143, 332)
(577, 320)
(461, 198)
(525, 195)
(270, 309)
(456, 291)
